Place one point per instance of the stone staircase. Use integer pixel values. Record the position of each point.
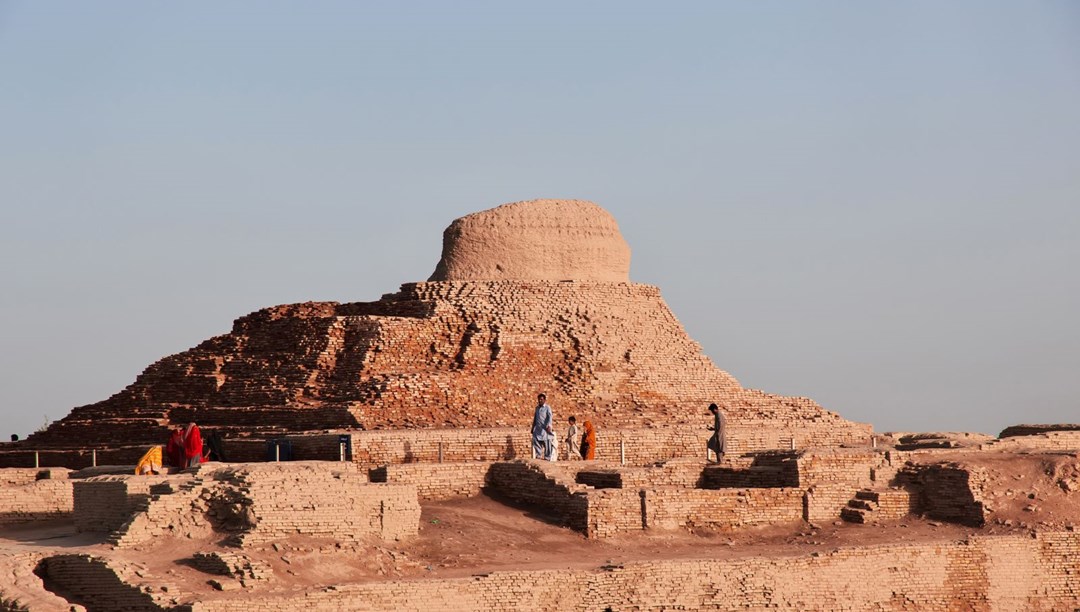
(876, 505)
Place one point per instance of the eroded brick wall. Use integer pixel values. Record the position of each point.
(671, 508)
(449, 354)
(105, 503)
(34, 494)
(436, 480)
(986, 573)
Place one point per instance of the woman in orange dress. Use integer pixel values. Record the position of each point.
(588, 441)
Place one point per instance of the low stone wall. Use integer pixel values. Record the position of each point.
(526, 482)
(634, 446)
(674, 473)
(601, 513)
(722, 508)
(831, 477)
(1048, 441)
(985, 573)
(950, 492)
(102, 584)
(34, 494)
(759, 470)
(252, 503)
(105, 503)
(435, 481)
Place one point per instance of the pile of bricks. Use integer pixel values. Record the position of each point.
(237, 566)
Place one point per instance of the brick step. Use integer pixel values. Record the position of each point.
(874, 505)
(862, 504)
(868, 495)
(855, 515)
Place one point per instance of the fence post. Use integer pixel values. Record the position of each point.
(93, 457)
(622, 452)
(440, 451)
(277, 451)
(37, 460)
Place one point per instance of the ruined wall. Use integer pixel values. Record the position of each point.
(34, 494)
(105, 503)
(832, 476)
(672, 508)
(951, 492)
(436, 480)
(995, 572)
(527, 482)
(251, 503)
(448, 354)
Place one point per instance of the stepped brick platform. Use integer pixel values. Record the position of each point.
(470, 349)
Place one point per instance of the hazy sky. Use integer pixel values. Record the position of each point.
(873, 204)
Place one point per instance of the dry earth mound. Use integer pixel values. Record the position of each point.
(463, 351)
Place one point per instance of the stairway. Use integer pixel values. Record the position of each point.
(876, 505)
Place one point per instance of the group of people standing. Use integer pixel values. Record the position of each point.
(580, 444)
(544, 444)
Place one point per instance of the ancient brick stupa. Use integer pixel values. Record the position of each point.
(531, 296)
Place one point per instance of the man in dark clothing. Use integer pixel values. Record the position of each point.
(717, 442)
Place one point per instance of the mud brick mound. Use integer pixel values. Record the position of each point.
(551, 240)
(465, 350)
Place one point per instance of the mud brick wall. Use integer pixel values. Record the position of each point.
(1049, 441)
(832, 476)
(33, 494)
(375, 448)
(451, 354)
(436, 480)
(951, 492)
(991, 573)
(526, 482)
(638, 447)
(671, 508)
(614, 511)
(102, 584)
(105, 503)
(676, 473)
(306, 498)
(760, 470)
(260, 502)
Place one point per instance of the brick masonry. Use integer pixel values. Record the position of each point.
(453, 354)
(1040, 573)
(34, 494)
(251, 503)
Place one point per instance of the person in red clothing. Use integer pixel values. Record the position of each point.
(193, 454)
(174, 448)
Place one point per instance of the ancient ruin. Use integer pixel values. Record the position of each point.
(379, 458)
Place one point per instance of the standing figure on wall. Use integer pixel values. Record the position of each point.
(541, 431)
(588, 441)
(573, 445)
(717, 442)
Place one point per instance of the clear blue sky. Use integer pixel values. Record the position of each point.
(874, 204)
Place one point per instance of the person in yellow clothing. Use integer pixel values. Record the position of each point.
(150, 462)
